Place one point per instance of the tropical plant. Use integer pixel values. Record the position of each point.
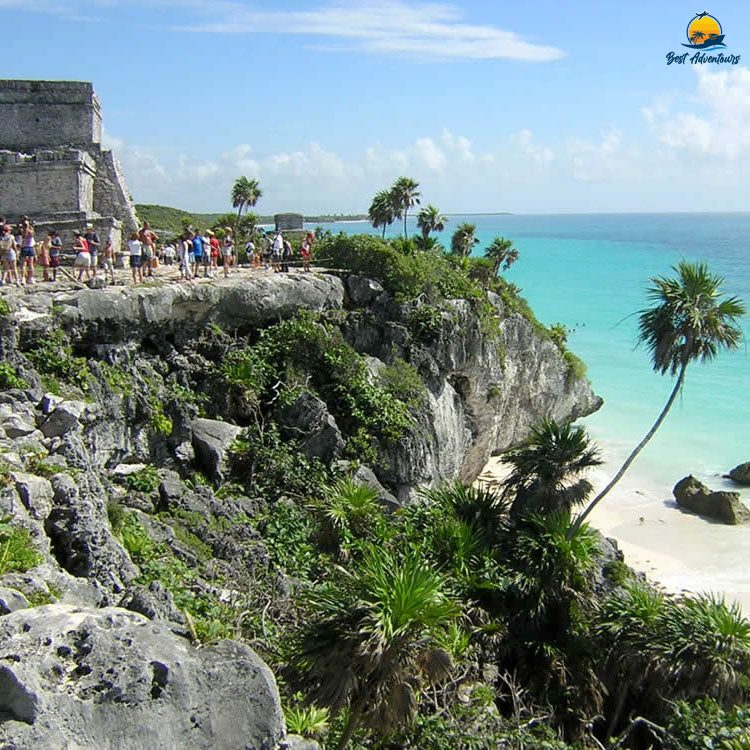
(348, 510)
(429, 219)
(464, 239)
(689, 322)
(382, 212)
(405, 195)
(245, 193)
(376, 642)
(501, 252)
(546, 471)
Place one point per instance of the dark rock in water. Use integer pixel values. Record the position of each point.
(307, 419)
(723, 506)
(211, 441)
(110, 678)
(740, 474)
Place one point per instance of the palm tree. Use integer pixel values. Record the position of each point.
(501, 252)
(405, 195)
(376, 645)
(382, 212)
(696, 35)
(245, 194)
(689, 322)
(546, 471)
(429, 219)
(464, 239)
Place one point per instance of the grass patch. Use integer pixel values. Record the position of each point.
(16, 550)
(145, 480)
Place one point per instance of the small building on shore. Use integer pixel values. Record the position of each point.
(288, 222)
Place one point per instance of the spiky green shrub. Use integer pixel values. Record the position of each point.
(16, 550)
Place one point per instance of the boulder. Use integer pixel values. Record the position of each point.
(110, 678)
(154, 601)
(35, 493)
(366, 476)
(307, 419)
(63, 418)
(362, 291)
(740, 474)
(211, 441)
(82, 542)
(11, 600)
(722, 506)
(16, 427)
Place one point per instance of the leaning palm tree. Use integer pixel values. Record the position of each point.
(464, 239)
(245, 194)
(689, 322)
(546, 471)
(405, 195)
(377, 642)
(501, 252)
(429, 219)
(382, 212)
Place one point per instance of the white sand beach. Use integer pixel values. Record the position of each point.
(679, 550)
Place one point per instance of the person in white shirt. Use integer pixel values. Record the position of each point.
(136, 265)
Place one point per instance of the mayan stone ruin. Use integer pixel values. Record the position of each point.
(52, 165)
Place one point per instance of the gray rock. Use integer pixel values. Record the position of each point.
(111, 678)
(125, 470)
(63, 418)
(49, 403)
(35, 493)
(295, 742)
(82, 542)
(16, 427)
(154, 601)
(11, 600)
(362, 291)
(741, 473)
(308, 420)
(211, 441)
(97, 282)
(365, 475)
(722, 506)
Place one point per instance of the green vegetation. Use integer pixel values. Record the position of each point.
(172, 220)
(9, 378)
(16, 550)
(143, 480)
(53, 356)
(402, 381)
(5, 308)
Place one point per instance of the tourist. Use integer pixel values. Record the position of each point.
(169, 254)
(92, 239)
(276, 251)
(227, 250)
(135, 249)
(54, 254)
(250, 250)
(267, 252)
(206, 255)
(108, 261)
(28, 253)
(82, 260)
(8, 252)
(306, 250)
(213, 242)
(184, 259)
(287, 254)
(197, 252)
(44, 257)
(148, 247)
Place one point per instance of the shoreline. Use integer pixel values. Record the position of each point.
(680, 551)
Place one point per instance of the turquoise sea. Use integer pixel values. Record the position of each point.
(590, 272)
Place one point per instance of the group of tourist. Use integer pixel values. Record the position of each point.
(193, 252)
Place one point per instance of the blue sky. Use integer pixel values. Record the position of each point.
(522, 107)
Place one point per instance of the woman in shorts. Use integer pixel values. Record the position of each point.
(226, 250)
(44, 258)
(28, 254)
(136, 263)
(54, 254)
(83, 257)
(8, 256)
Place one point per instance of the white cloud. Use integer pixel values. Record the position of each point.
(717, 126)
(459, 145)
(429, 154)
(597, 160)
(523, 142)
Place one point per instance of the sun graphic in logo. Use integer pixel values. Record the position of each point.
(704, 32)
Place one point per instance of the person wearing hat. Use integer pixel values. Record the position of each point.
(92, 239)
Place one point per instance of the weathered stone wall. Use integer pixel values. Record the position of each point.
(48, 113)
(47, 182)
(110, 194)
